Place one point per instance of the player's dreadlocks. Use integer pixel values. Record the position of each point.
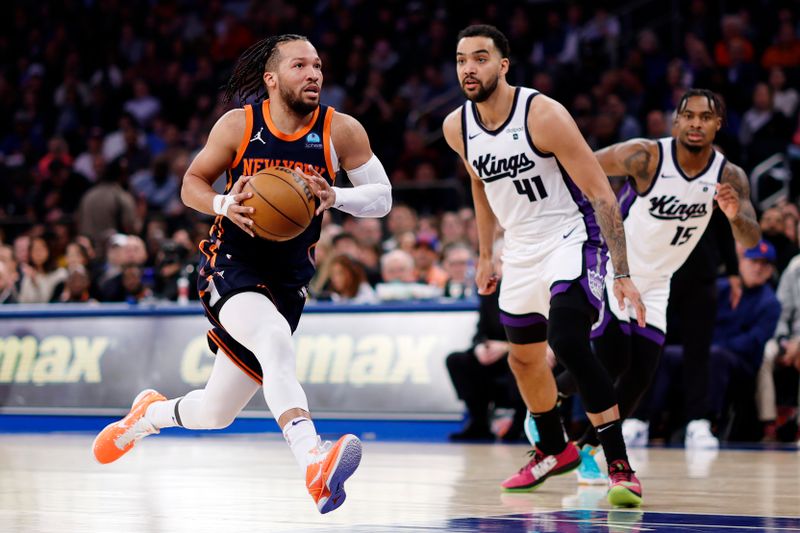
(715, 102)
(247, 78)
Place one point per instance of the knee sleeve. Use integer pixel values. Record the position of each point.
(613, 348)
(637, 378)
(252, 319)
(568, 335)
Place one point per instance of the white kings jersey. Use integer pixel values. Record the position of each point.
(529, 192)
(664, 224)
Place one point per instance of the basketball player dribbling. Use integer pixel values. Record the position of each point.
(534, 174)
(666, 204)
(254, 290)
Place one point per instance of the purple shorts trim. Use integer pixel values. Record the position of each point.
(521, 321)
(649, 332)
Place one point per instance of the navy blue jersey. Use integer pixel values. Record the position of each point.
(288, 263)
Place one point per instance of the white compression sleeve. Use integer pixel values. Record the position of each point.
(371, 194)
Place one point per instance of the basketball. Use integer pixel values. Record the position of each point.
(284, 205)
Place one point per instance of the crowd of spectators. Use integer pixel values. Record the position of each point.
(104, 103)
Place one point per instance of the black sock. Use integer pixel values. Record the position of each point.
(551, 432)
(610, 436)
(589, 437)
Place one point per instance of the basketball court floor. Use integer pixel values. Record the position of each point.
(230, 483)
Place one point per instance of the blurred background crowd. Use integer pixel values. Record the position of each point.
(103, 104)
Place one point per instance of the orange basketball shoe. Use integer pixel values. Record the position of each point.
(331, 465)
(118, 438)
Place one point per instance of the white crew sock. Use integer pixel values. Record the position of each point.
(162, 414)
(301, 436)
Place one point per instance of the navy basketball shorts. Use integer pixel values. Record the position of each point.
(219, 279)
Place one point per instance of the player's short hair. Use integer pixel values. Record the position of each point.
(486, 30)
(715, 101)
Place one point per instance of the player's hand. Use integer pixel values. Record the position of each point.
(626, 291)
(485, 277)
(728, 200)
(736, 290)
(320, 187)
(236, 212)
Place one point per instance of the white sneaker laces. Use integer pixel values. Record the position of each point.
(141, 428)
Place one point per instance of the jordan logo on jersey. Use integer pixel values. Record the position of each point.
(257, 137)
(670, 208)
(490, 168)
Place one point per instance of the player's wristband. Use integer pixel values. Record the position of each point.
(621, 276)
(221, 203)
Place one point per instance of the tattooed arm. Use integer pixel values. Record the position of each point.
(553, 130)
(637, 158)
(733, 199)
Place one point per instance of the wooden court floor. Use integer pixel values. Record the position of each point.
(229, 483)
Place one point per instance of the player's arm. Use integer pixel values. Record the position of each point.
(554, 131)
(371, 194)
(637, 158)
(216, 156)
(733, 199)
(485, 277)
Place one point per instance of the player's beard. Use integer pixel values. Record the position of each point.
(484, 91)
(296, 103)
(694, 148)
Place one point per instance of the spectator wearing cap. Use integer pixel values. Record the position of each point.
(740, 334)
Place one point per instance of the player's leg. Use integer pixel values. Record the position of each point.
(552, 454)
(254, 321)
(698, 310)
(612, 345)
(634, 383)
(571, 318)
(226, 393)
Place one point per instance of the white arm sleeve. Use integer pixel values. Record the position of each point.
(371, 194)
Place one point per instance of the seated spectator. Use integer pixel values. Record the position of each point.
(785, 98)
(128, 286)
(426, 258)
(451, 228)
(458, 263)
(483, 379)
(13, 274)
(397, 271)
(8, 288)
(764, 131)
(773, 228)
(348, 281)
(346, 244)
(740, 334)
(786, 50)
(157, 185)
(777, 409)
(401, 219)
(75, 288)
(41, 276)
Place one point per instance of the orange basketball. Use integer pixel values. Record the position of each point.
(284, 205)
